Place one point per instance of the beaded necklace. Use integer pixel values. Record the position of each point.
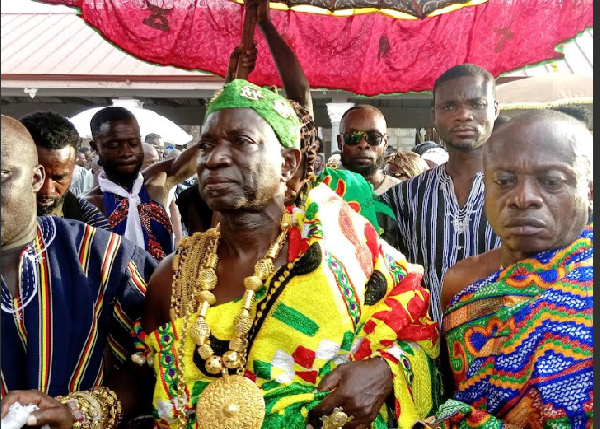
(29, 258)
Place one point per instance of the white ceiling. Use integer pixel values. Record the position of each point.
(29, 6)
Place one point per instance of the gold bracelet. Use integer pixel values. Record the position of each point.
(86, 414)
(110, 405)
(95, 409)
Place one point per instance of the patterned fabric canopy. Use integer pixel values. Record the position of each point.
(378, 47)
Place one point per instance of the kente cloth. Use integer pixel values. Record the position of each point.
(434, 231)
(155, 223)
(361, 52)
(344, 295)
(90, 290)
(520, 344)
(357, 192)
(79, 209)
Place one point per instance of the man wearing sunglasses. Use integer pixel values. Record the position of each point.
(363, 142)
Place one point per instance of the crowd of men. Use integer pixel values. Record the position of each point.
(447, 287)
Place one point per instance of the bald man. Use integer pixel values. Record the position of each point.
(66, 319)
(518, 320)
(151, 156)
(363, 140)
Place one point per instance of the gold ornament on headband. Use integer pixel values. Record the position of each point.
(284, 109)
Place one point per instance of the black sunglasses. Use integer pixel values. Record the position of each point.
(373, 138)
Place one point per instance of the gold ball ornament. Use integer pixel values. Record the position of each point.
(242, 323)
(207, 279)
(200, 331)
(231, 359)
(253, 283)
(264, 268)
(206, 296)
(214, 365)
(205, 351)
(238, 344)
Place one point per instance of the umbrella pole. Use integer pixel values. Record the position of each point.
(247, 37)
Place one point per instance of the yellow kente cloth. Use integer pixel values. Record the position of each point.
(344, 295)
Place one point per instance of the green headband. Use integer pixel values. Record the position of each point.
(272, 107)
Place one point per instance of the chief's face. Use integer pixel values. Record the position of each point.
(464, 112)
(537, 195)
(240, 164)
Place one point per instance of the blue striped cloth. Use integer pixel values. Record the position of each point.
(90, 289)
(434, 231)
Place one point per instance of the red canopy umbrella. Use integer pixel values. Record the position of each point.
(368, 47)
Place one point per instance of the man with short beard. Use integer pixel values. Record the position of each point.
(363, 142)
(122, 185)
(440, 216)
(57, 142)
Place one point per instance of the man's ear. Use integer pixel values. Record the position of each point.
(39, 176)
(339, 141)
(497, 108)
(290, 163)
(94, 146)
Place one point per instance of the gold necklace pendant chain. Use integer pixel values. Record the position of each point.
(231, 401)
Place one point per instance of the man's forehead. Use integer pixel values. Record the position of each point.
(17, 149)
(542, 141)
(364, 120)
(122, 126)
(235, 121)
(65, 154)
(464, 87)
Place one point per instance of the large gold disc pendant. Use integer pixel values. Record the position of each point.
(234, 402)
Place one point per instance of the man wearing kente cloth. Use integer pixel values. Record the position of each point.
(518, 320)
(134, 201)
(284, 317)
(70, 294)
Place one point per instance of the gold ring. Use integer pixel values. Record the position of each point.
(337, 419)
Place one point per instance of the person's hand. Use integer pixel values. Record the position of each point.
(360, 388)
(263, 11)
(51, 412)
(248, 59)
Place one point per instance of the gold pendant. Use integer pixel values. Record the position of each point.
(231, 402)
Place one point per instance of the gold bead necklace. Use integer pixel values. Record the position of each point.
(231, 401)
